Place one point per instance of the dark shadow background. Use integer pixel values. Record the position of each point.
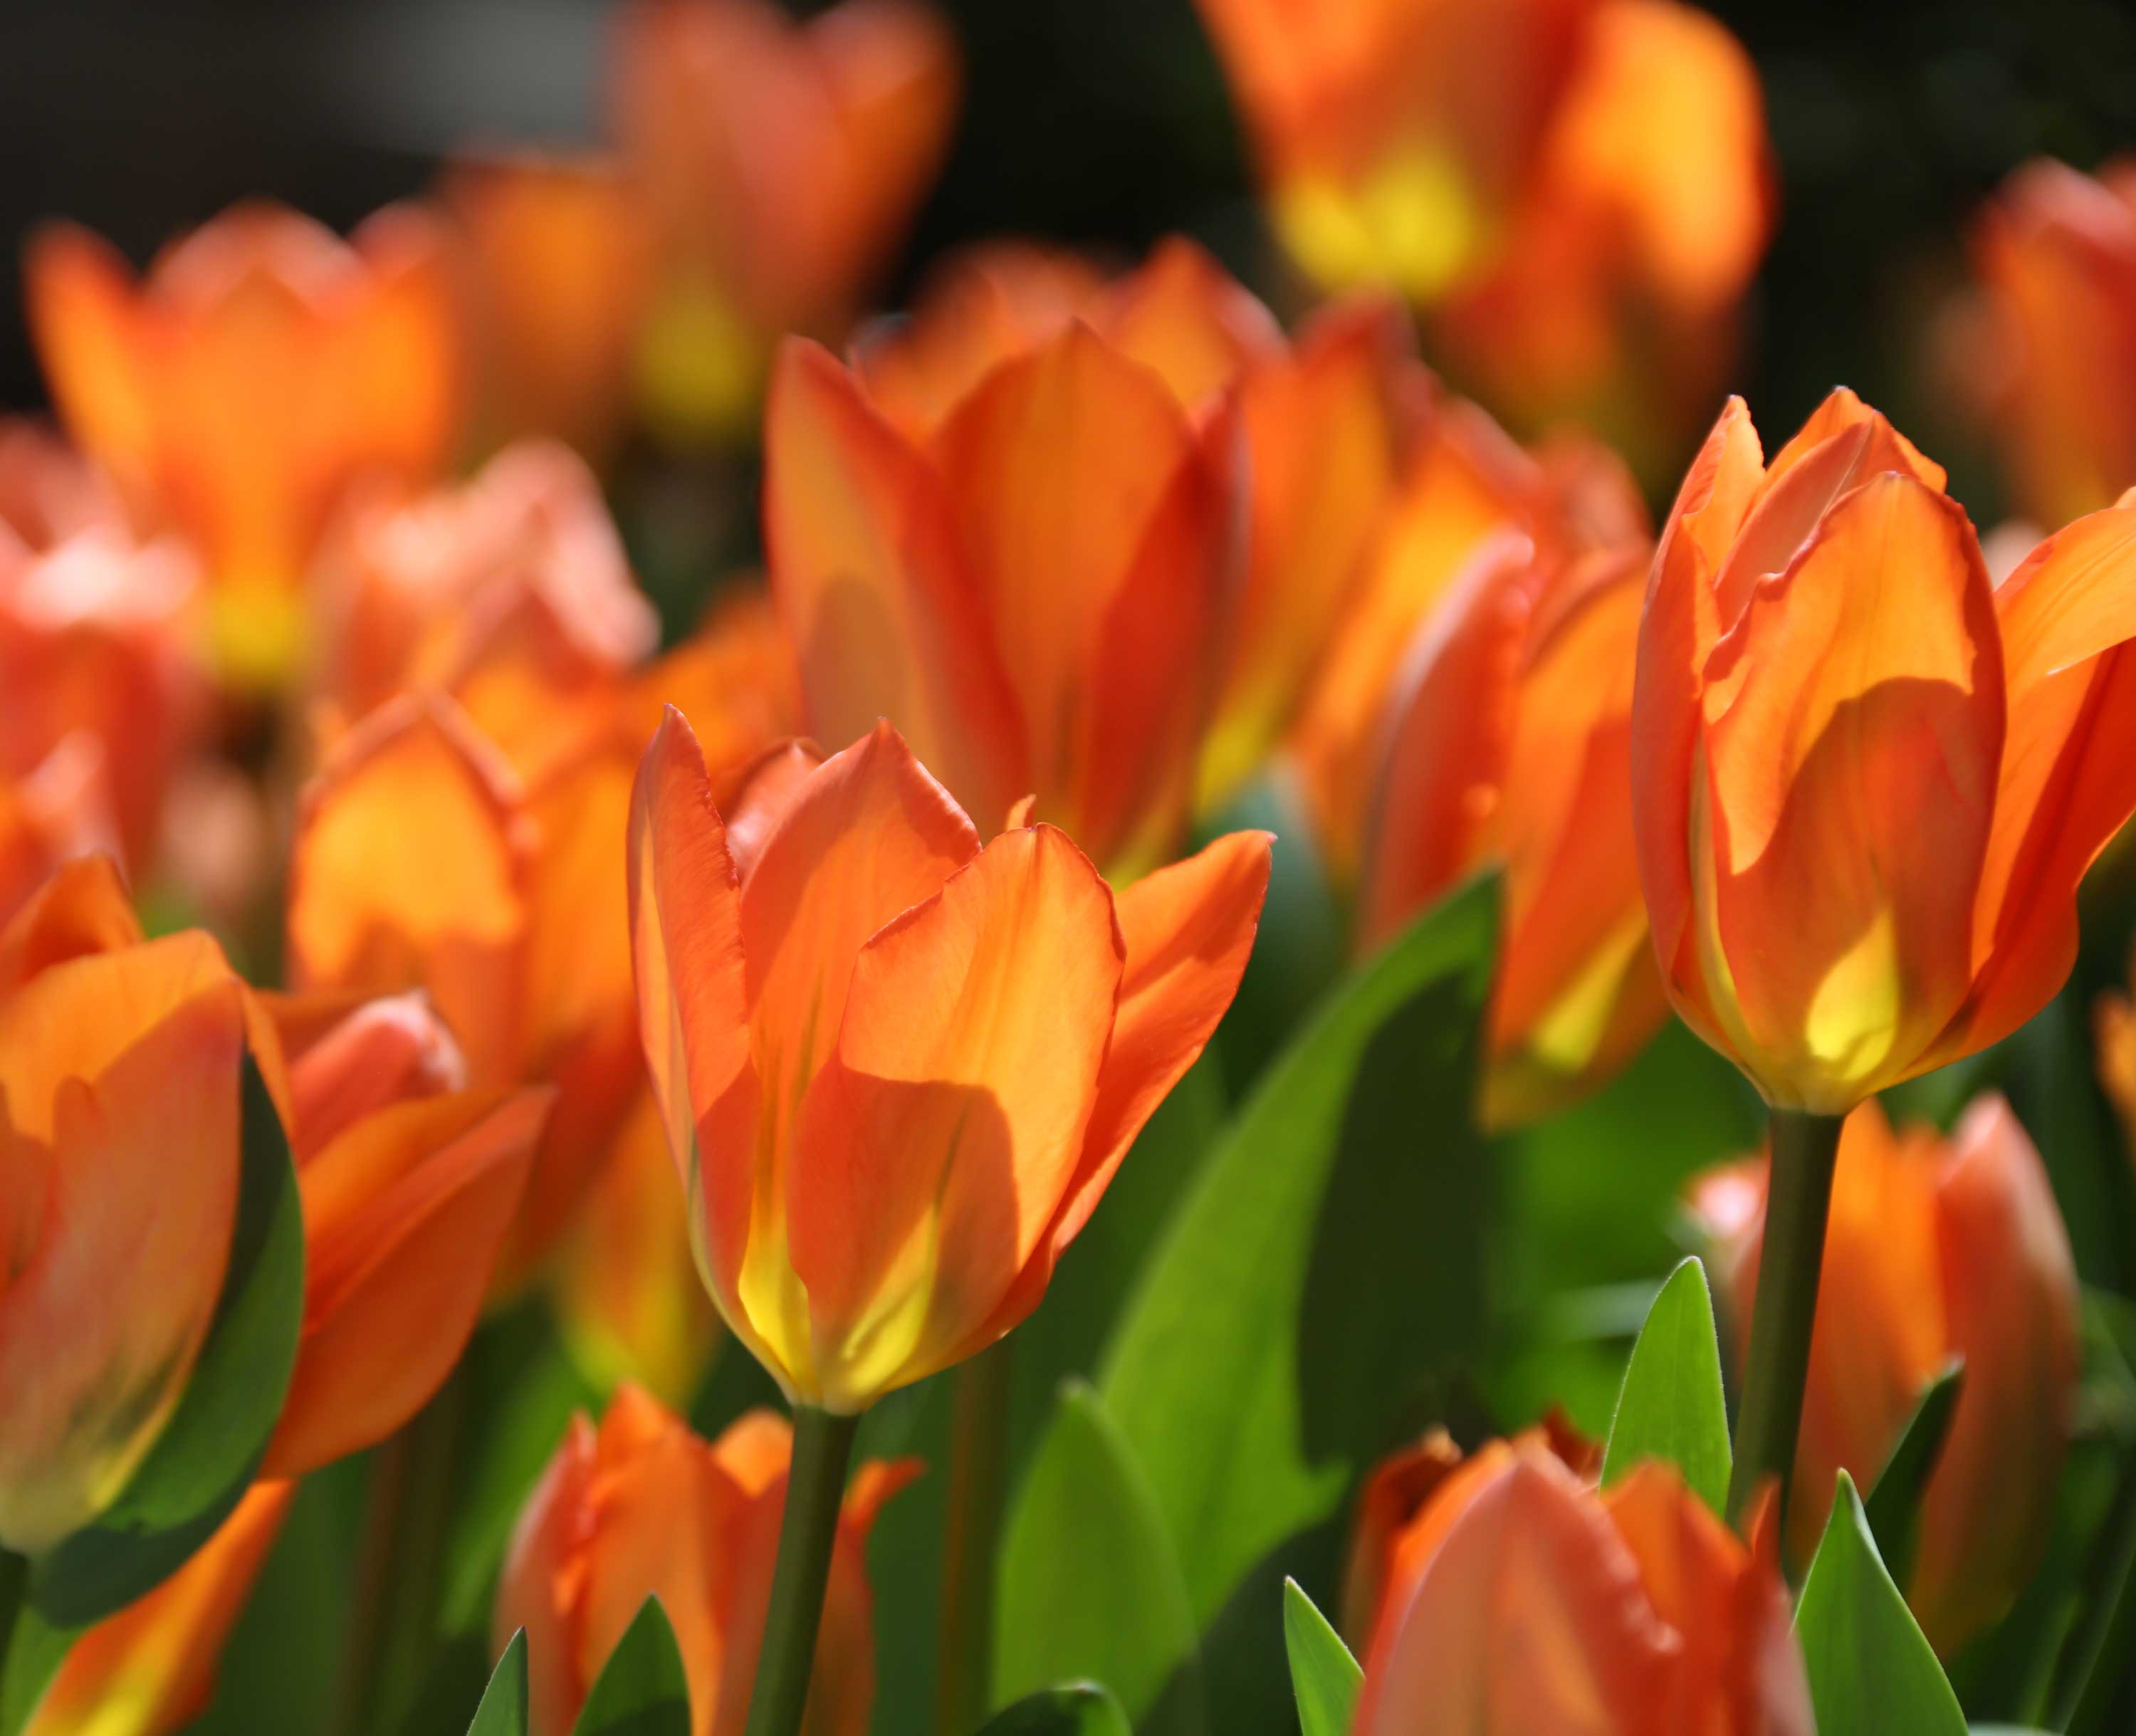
(1087, 120)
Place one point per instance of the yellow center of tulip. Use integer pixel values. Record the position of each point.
(1412, 223)
(699, 367)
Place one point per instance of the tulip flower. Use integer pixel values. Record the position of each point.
(94, 624)
(1938, 1248)
(1035, 588)
(1575, 192)
(1325, 420)
(778, 163)
(118, 1127)
(1509, 741)
(2054, 254)
(1519, 1599)
(61, 810)
(555, 264)
(150, 1670)
(261, 367)
(642, 1505)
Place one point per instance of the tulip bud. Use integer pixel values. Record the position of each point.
(641, 1506)
(1934, 1250)
(1866, 782)
(896, 1069)
(1520, 1599)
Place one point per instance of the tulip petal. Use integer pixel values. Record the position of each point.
(403, 1216)
(933, 1151)
(869, 580)
(2010, 1292)
(81, 909)
(1853, 733)
(538, 1588)
(81, 303)
(1188, 321)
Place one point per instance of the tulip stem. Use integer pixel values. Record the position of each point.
(978, 1481)
(14, 1592)
(1790, 1261)
(808, 1533)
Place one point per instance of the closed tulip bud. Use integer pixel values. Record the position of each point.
(640, 1506)
(778, 164)
(119, 1062)
(1520, 1599)
(2054, 253)
(1509, 742)
(237, 391)
(1936, 1249)
(1866, 781)
(150, 1669)
(898, 1069)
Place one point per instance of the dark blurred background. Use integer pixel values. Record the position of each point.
(1100, 121)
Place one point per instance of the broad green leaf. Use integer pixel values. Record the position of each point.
(1088, 1585)
(504, 1709)
(1333, 1255)
(1672, 1407)
(1323, 1675)
(201, 1463)
(35, 1650)
(1074, 1708)
(1895, 1499)
(1871, 1671)
(641, 1690)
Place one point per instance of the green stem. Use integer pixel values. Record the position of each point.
(1790, 1260)
(808, 1533)
(14, 1593)
(979, 1480)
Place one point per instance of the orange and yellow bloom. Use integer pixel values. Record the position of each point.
(1518, 1598)
(1865, 780)
(1936, 1249)
(643, 1506)
(898, 1069)
(236, 393)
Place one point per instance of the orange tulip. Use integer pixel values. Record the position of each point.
(1576, 191)
(236, 393)
(1035, 588)
(555, 268)
(1325, 420)
(644, 1506)
(2054, 253)
(93, 624)
(778, 163)
(1936, 1248)
(898, 1069)
(1510, 742)
(150, 1669)
(119, 1148)
(1866, 782)
(61, 810)
(1519, 1599)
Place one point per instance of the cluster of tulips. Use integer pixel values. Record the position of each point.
(414, 949)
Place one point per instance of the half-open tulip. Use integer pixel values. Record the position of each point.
(237, 391)
(778, 163)
(150, 1669)
(898, 1069)
(1325, 420)
(2055, 252)
(1508, 741)
(643, 1506)
(118, 1167)
(1520, 1599)
(1576, 191)
(1936, 1249)
(1866, 781)
(1034, 584)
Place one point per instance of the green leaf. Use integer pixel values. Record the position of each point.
(1895, 1499)
(1871, 1671)
(201, 1463)
(35, 1650)
(1672, 1407)
(641, 1690)
(1088, 1585)
(1074, 1708)
(504, 1709)
(1323, 1675)
(1332, 1256)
